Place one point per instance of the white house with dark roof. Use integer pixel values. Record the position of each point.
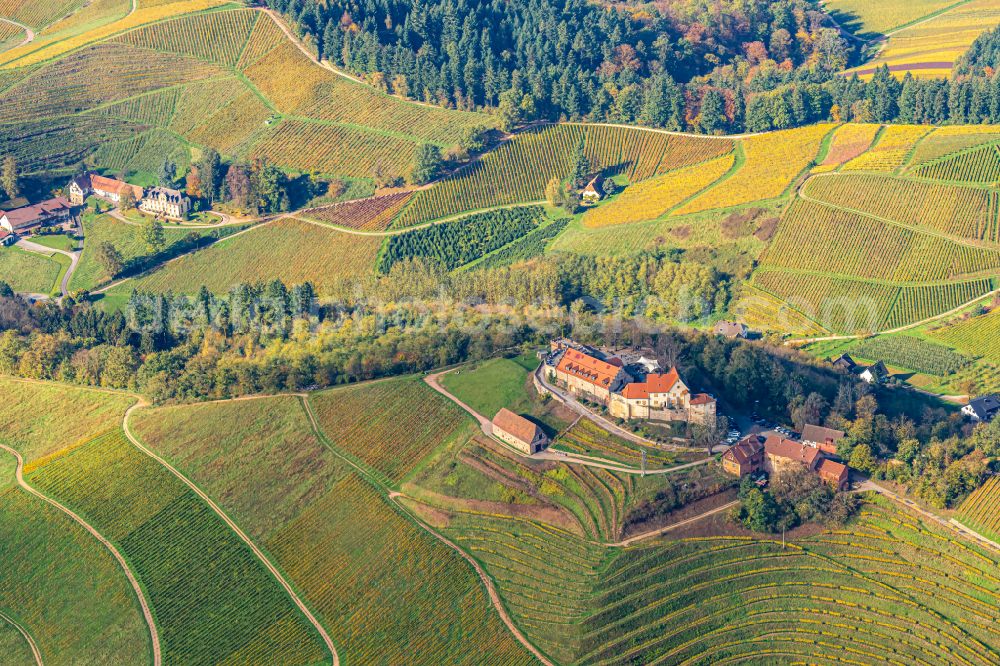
(983, 408)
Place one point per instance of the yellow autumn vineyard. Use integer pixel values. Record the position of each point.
(772, 163)
(655, 197)
(891, 149)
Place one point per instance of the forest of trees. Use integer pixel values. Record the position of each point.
(720, 66)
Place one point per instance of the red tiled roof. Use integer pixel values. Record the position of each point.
(702, 399)
(745, 449)
(587, 368)
(832, 471)
(655, 383)
(635, 391)
(516, 425)
(112, 185)
(3, 233)
(786, 448)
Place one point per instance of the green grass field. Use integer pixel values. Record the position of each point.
(62, 586)
(29, 271)
(56, 242)
(126, 238)
(386, 591)
(492, 385)
(48, 417)
(213, 600)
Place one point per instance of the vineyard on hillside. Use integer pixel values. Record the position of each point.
(225, 605)
(371, 214)
(354, 558)
(981, 510)
(37, 433)
(849, 306)
(655, 197)
(846, 594)
(981, 165)
(960, 211)
(772, 161)
(332, 149)
(456, 243)
(890, 150)
(978, 336)
(288, 250)
(519, 169)
(849, 141)
(814, 237)
(217, 37)
(942, 39)
(416, 421)
(28, 272)
(587, 438)
(37, 13)
(59, 581)
(950, 140)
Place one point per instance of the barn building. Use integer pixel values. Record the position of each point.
(519, 432)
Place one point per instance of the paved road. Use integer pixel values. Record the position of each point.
(143, 602)
(74, 260)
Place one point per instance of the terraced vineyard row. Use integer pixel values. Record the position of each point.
(336, 150)
(45, 145)
(69, 85)
(981, 510)
(762, 311)
(889, 588)
(868, 248)
(588, 439)
(960, 211)
(145, 152)
(952, 139)
(372, 214)
(518, 170)
(36, 13)
(981, 165)
(772, 162)
(545, 576)
(59, 581)
(850, 306)
(593, 500)
(212, 598)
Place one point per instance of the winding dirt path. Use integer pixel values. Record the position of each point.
(394, 496)
(27, 637)
(74, 260)
(29, 34)
(143, 602)
(669, 528)
(486, 426)
(233, 526)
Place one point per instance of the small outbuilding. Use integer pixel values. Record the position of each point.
(519, 432)
(834, 473)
